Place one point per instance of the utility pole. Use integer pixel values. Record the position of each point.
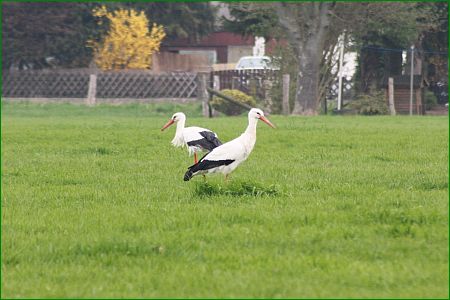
(411, 82)
(341, 65)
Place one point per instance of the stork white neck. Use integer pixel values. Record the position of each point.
(180, 125)
(178, 140)
(251, 128)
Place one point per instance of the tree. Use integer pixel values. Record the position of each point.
(180, 19)
(128, 43)
(313, 28)
(306, 26)
(251, 19)
(40, 35)
(191, 20)
(384, 25)
(435, 42)
(317, 26)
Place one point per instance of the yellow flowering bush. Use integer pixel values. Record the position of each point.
(128, 44)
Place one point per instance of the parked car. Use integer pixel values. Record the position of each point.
(255, 63)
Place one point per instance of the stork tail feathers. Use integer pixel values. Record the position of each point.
(188, 175)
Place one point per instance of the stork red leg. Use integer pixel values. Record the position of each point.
(196, 161)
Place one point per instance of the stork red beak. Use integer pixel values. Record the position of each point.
(168, 124)
(265, 120)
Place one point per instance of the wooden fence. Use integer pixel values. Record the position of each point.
(90, 87)
(173, 62)
(114, 85)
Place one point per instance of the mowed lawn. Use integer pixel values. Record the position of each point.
(94, 205)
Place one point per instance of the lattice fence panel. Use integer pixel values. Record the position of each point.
(146, 85)
(75, 84)
(347, 89)
(35, 84)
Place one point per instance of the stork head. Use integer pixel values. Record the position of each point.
(175, 118)
(256, 113)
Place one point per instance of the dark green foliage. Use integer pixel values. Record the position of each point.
(430, 100)
(398, 26)
(41, 35)
(435, 39)
(251, 19)
(190, 20)
(229, 108)
(370, 104)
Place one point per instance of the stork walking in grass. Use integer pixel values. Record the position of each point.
(225, 158)
(195, 138)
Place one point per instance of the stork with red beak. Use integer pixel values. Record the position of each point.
(225, 158)
(195, 138)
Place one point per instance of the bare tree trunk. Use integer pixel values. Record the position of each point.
(306, 25)
(306, 98)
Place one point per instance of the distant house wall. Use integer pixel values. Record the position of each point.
(220, 51)
(227, 45)
(211, 55)
(171, 62)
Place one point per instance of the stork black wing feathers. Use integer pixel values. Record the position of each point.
(209, 141)
(211, 137)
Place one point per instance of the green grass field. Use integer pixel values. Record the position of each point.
(94, 205)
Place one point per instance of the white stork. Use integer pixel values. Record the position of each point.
(225, 158)
(195, 138)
